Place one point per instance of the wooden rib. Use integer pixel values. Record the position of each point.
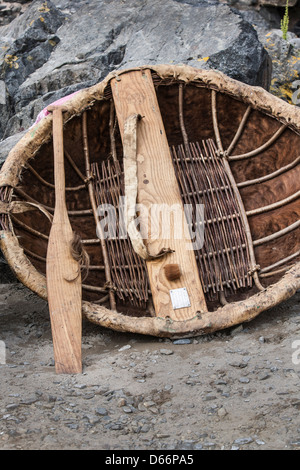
(75, 167)
(262, 179)
(86, 287)
(94, 208)
(260, 149)
(188, 159)
(34, 255)
(240, 130)
(100, 289)
(215, 120)
(224, 283)
(236, 191)
(211, 253)
(222, 298)
(278, 234)
(51, 209)
(102, 301)
(278, 271)
(112, 127)
(280, 262)
(41, 258)
(94, 288)
(181, 120)
(51, 185)
(217, 219)
(91, 241)
(28, 228)
(275, 205)
(31, 199)
(207, 190)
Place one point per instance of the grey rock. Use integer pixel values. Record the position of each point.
(277, 3)
(295, 42)
(101, 411)
(244, 380)
(29, 401)
(92, 419)
(127, 409)
(124, 348)
(222, 412)
(285, 62)
(12, 406)
(260, 442)
(182, 341)
(145, 428)
(263, 376)
(238, 364)
(28, 43)
(235, 331)
(166, 352)
(52, 51)
(80, 386)
(243, 440)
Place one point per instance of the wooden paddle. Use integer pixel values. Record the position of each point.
(62, 271)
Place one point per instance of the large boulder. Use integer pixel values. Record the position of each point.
(57, 47)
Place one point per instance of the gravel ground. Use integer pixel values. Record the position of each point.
(236, 389)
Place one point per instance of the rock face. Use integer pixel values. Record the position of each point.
(285, 54)
(277, 3)
(57, 47)
(10, 10)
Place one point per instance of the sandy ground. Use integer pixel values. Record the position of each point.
(236, 389)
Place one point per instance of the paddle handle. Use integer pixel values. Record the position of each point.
(59, 165)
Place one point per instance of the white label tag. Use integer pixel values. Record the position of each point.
(180, 298)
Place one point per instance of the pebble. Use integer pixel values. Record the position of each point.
(182, 341)
(145, 428)
(259, 442)
(122, 402)
(92, 419)
(29, 401)
(124, 348)
(127, 409)
(222, 412)
(12, 406)
(243, 440)
(149, 404)
(101, 411)
(263, 376)
(244, 380)
(237, 364)
(209, 396)
(166, 352)
(236, 330)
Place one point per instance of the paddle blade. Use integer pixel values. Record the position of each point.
(64, 298)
